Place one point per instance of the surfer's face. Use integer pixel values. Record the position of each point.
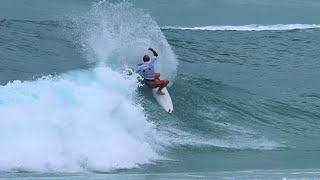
(146, 58)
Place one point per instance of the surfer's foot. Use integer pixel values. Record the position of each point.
(160, 93)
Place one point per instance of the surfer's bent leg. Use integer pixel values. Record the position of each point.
(157, 76)
(162, 84)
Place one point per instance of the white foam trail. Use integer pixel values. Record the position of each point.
(251, 27)
(83, 120)
(239, 141)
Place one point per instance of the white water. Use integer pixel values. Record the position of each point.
(87, 119)
(251, 27)
(77, 120)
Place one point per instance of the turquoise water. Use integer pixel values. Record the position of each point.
(244, 84)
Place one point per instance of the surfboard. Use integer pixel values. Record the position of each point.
(164, 100)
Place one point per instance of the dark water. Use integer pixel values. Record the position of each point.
(246, 97)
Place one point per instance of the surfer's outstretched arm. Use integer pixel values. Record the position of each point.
(154, 52)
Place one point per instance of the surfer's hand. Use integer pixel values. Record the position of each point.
(154, 52)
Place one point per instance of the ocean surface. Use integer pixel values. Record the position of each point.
(244, 81)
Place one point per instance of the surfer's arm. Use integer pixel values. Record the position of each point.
(154, 52)
(138, 70)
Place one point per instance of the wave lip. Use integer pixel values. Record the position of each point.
(250, 27)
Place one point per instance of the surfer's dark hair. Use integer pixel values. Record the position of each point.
(146, 58)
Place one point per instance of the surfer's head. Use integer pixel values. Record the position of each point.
(146, 58)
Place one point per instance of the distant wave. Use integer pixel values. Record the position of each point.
(251, 27)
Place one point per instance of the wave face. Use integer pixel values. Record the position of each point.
(252, 27)
(87, 119)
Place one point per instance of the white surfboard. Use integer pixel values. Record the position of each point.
(164, 100)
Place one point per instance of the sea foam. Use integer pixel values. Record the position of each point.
(251, 27)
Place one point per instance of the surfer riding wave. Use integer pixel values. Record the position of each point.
(146, 70)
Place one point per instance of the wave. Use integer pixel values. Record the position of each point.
(92, 119)
(251, 27)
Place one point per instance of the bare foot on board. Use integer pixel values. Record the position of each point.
(160, 93)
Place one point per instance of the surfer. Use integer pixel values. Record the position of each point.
(146, 70)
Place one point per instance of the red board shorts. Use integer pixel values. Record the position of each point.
(156, 83)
